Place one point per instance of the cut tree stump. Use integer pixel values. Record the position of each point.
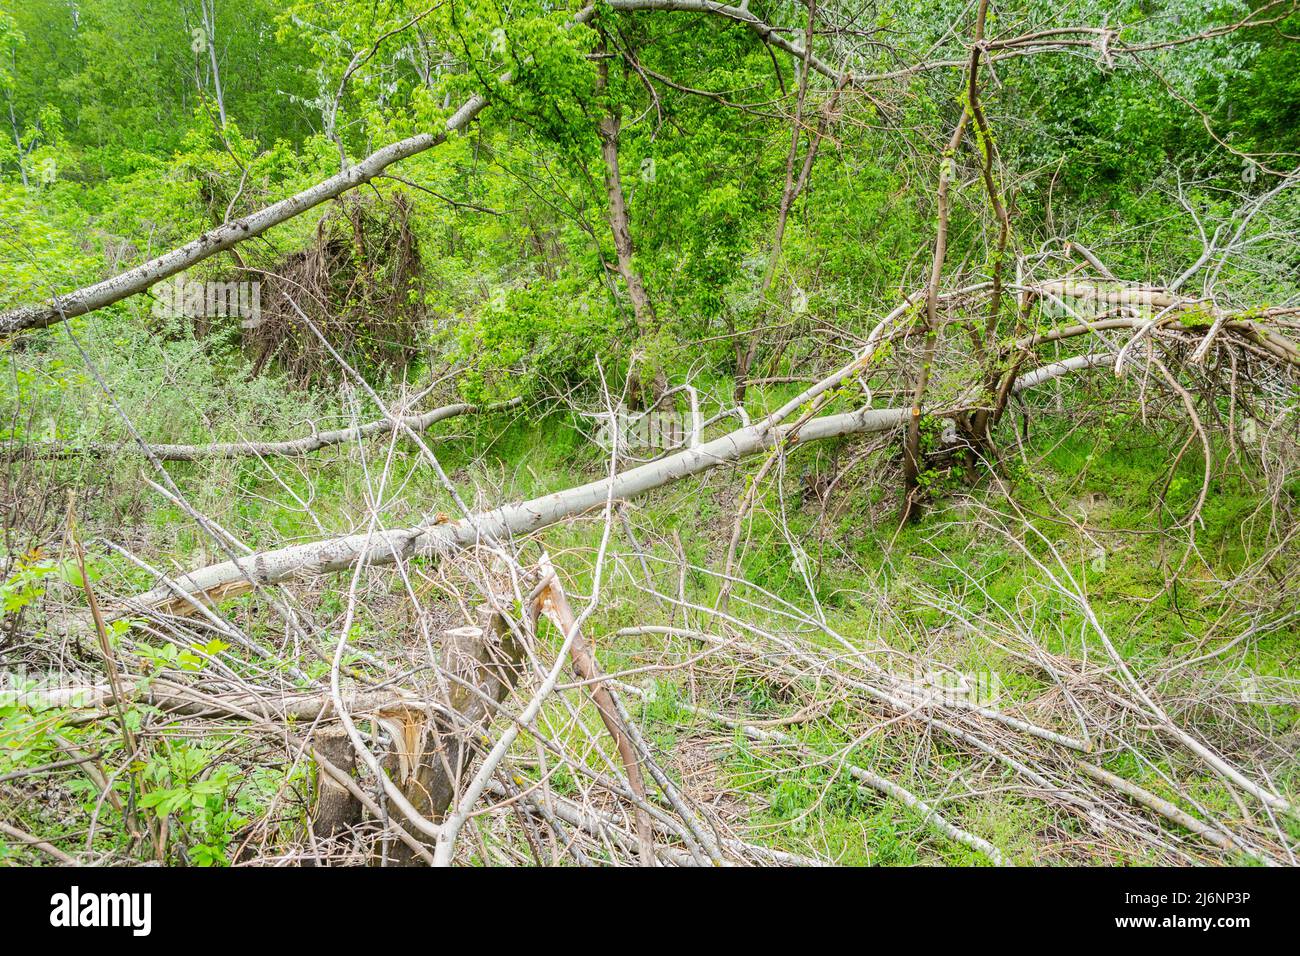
(431, 755)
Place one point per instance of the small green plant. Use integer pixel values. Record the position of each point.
(186, 787)
(28, 579)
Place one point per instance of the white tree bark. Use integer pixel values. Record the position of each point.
(1045, 373)
(500, 524)
(249, 449)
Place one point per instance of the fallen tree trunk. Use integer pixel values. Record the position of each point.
(1045, 373)
(248, 449)
(228, 235)
(385, 547)
(229, 578)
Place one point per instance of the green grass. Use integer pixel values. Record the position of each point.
(862, 562)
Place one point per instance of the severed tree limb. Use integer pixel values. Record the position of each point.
(336, 554)
(230, 578)
(553, 603)
(234, 577)
(296, 446)
(1045, 373)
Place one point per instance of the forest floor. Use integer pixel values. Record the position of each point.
(951, 590)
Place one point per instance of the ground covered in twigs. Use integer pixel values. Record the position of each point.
(966, 689)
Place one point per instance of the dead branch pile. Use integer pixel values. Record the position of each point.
(360, 283)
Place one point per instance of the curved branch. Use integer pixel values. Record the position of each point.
(241, 449)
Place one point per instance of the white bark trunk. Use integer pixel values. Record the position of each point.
(338, 554)
(246, 449)
(1045, 373)
(501, 524)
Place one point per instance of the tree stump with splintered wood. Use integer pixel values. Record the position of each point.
(337, 811)
(432, 755)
